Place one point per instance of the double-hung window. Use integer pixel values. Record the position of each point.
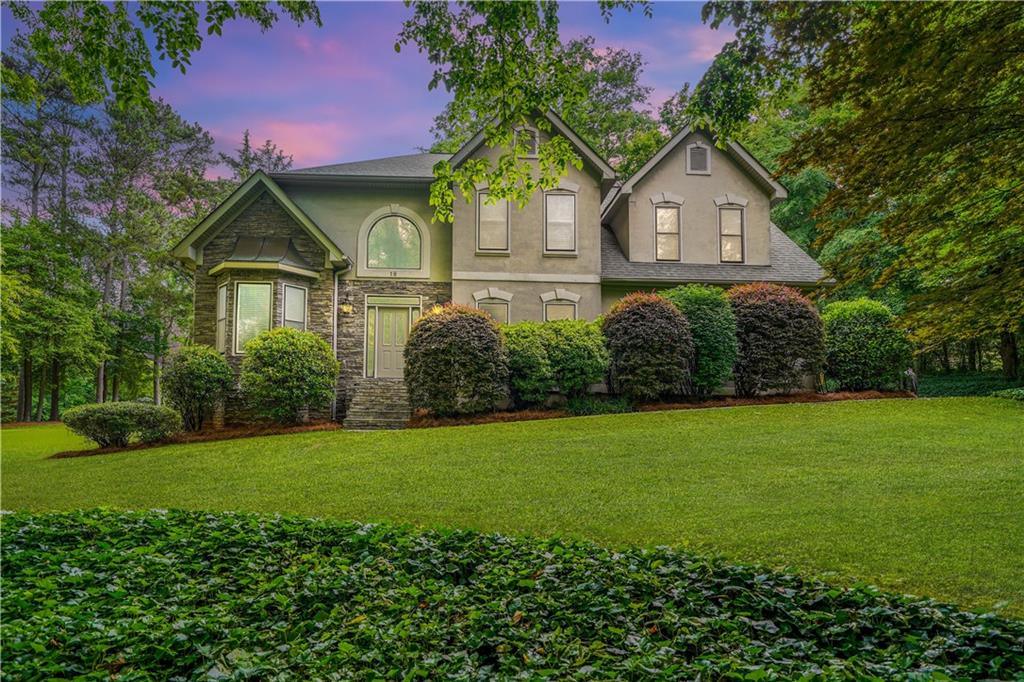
(294, 307)
(496, 308)
(492, 223)
(730, 230)
(222, 317)
(666, 232)
(253, 301)
(560, 223)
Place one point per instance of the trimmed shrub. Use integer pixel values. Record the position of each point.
(114, 425)
(529, 369)
(713, 328)
(1010, 394)
(863, 348)
(577, 354)
(455, 362)
(194, 381)
(649, 345)
(286, 372)
(779, 338)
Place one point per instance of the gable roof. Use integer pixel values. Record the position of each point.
(734, 149)
(789, 265)
(607, 172)
(405, 166)
(259, 183)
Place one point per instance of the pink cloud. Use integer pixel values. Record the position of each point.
(701, 43)
(311, 142)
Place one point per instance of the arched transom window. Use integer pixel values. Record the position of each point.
(394, 243)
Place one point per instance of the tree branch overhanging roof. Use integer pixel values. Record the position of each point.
(189, 249)
(595, 159)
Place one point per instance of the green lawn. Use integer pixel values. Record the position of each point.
(925, 496)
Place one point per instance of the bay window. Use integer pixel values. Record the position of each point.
(253, 301)
(294, 307)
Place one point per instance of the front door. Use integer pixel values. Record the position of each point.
(392, 331)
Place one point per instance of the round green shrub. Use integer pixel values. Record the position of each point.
(863, 348)
(713, 328)
(195, 380)
(286, 372)
(649, 346)
(455, 363)
(530, 377)
(115, 424)
(577, 354)
(779, 337)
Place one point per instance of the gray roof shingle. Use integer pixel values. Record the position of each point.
(410, 166)
(789, 265)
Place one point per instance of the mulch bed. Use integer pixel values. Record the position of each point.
(227, 433)
(422, 420)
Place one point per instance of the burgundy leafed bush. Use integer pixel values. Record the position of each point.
(780, 338)
(650, 347)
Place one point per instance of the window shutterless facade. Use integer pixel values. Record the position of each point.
(253, 302)
(495, 308)
(730, 231)
(667, 221)
(559, 310)
(560, 223)
(294, 307)
(222, 318)
(492, 220)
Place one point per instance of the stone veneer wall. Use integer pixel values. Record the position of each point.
(263, 218)
(352, 295)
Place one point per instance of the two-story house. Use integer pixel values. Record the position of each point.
(349, 251)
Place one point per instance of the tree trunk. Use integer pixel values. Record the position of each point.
(38, 415)
(25, 389)
(101, 382)
(55, 391)
(158, 363)
(115, 388)
(1008, 353)
(944, 357)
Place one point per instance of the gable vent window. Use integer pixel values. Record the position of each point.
(294, 307)
(526, 142)
(698, 159)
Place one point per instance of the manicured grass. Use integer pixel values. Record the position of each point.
(925, 496)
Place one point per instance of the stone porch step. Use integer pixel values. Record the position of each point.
(378, 404)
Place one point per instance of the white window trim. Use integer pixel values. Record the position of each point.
(743, 233)
(284, 305)
(536, 141)
(679, 233)
(574, 251)
(689, 169)
(221, 345)
(270, 311)
(508, 226)
(362, 268)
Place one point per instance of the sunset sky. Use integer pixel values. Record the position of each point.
(341, 92)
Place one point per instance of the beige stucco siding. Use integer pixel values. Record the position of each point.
(526, 302)
(342, 210)
(526, 233)
(700, 239)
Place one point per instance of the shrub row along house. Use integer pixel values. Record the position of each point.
(349, 251)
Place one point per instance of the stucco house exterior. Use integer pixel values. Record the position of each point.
(349, 251)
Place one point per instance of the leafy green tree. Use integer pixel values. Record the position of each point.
(864, 349)
(930, 144)
(102, 49)
(713, 328)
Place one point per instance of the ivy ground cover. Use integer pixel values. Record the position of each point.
(191, 595)
(918, 496)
